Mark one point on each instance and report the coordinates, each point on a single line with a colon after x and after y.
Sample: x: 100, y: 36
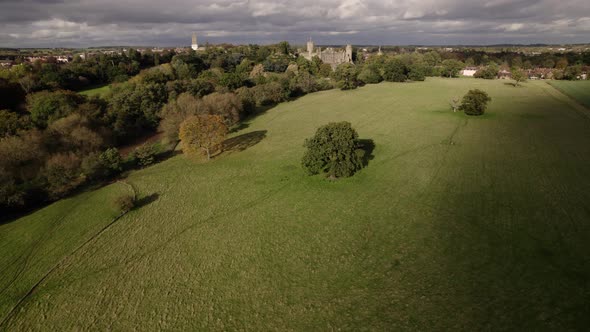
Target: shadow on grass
x: 367, y: 145
x: 146, y: 200
x: 239, y: 127
x: 243, y: 142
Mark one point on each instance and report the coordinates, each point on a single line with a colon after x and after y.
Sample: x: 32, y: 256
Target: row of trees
x: 64, y: 139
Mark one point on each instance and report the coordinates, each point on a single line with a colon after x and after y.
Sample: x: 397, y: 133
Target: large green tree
x: 452, y: 67
x: 475, y: 102
x: 334, y: 150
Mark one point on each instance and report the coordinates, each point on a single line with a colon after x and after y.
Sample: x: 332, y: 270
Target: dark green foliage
x: 134, y: 108
x: 346, y: 76
x: 370, y: 74
x: 334, y: 150
x: 145, y: 155
x: 417, y: 72
x: 489, y: 72
x: 452, y: 67
x: 125, y: 203
x: 46, y: 107
x: 11, y: 123
x: 62, y: 174
x: 111, y: 161
x: 475, y: 102
x: 394, y: 70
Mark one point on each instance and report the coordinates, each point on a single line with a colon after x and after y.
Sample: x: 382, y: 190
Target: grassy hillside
x: 579, y: 90
x: 96, y: 91
x: 456, y: 224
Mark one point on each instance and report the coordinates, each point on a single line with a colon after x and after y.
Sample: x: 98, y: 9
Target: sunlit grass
x: 458, y: 223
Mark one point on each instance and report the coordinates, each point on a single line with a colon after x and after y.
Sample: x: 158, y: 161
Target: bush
x: 111, y: 161
x: 370, y: 74
x: 145, y: 154
x: 333, y: 150
x: 475, y: 102
x: 63, y: 173
x: 125, y: 203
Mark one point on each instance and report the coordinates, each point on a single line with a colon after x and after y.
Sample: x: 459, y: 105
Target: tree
x: 561, y: 63
x: 111, y: 161
x: 175, y: 112
x: 334, y: 150
x: 370, y: 74
x: 518, y: 75
x: 489, y: 73
x: 417, y: 72
x: 46, y: 107
x: 134, y: 108
x: 452, y: 67
x: 475, y: 102
x: 10, y: 123
x: 62, y: 173
x: 346, y: 76
x: 455, y: 104
x: 394, y: 70
x: 227, y: 105
x: 203, y: 133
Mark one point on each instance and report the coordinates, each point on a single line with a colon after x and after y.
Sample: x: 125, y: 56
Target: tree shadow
x: 146, y: 200
x: 367, y: 145
x: 239, y: 127
x: 243, y: 142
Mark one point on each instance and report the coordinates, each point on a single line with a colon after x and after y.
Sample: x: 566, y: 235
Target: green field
x: 96, y: 91
x: 457, y: 223
x: 579, y: 90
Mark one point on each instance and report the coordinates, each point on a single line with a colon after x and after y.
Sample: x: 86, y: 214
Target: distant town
x: 331, y: 54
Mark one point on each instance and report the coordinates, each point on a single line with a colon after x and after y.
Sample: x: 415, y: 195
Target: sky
x: 166, y: 23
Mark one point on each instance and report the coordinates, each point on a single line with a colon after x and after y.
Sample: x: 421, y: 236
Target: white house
x: 469, y: 71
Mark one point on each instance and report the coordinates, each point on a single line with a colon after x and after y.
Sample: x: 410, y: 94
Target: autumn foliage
x: 203, y: 134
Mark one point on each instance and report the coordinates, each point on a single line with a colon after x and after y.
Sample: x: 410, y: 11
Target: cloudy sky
x: 70, y: 23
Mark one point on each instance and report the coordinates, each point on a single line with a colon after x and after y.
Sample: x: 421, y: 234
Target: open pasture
x: 457, y: 223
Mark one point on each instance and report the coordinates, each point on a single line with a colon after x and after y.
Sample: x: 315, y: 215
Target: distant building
x: 330, y: 55
x: 469, y: 71
x: 6, y: 63
x: 194, y: 44
x: 504, y: 74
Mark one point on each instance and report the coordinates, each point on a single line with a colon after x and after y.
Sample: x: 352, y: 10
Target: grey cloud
x: 169, y: 23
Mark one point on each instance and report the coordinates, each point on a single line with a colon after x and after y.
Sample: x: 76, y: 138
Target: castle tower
x: 349, y: 53
x: 195, y: 45
x: 310, y: 46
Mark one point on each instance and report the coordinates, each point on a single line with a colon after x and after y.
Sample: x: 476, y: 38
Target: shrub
x: 370, y: 74
x: 145, y: 154
x: 475, y: 102
x: 333, y: 150
x: 63, y: 174
x: 125, y: 203
x: 111, y: 161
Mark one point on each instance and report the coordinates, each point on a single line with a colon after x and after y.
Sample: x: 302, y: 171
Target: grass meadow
x: 579, y: 90
x: 99, y: 90
x: 458, y: 223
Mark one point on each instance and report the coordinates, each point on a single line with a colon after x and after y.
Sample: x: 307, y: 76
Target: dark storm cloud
x: 168, y: 23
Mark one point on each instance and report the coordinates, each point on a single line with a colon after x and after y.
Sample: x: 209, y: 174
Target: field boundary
x: 574, y: 103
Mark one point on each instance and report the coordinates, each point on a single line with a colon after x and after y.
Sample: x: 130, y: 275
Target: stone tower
x: 349, y: 53
x: 195, y: 45
x: 310, y: 46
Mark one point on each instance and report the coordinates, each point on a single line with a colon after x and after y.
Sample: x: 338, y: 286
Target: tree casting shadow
x: 243, y: 142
